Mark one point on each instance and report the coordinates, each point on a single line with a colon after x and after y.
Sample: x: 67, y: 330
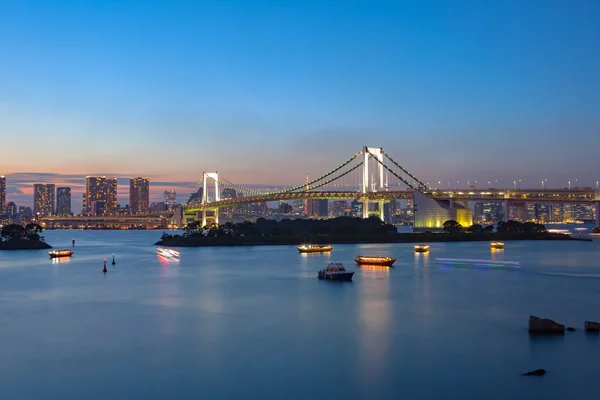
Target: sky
x: 265, y: 92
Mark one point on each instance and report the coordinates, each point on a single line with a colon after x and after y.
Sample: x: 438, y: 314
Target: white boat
x: 168, y: 253
x: 335, y: 272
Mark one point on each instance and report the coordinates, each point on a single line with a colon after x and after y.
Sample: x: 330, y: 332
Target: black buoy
x: 114, y: 262
x: 73, y: 242
x: 104, y: 270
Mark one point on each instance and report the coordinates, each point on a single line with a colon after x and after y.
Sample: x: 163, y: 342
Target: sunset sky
x: 267, y: 91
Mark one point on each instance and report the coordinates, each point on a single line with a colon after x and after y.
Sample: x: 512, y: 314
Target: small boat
x: 168, y: 253
x: 335, y: 272
x: 497, y: 245
x: 314, y: 248
x: 421, y: 248
x: 374, y: 260
x: 60, y: 253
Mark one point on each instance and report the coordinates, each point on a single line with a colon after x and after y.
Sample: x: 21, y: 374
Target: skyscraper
x: 139, y: 195
x: 100, y: 196
x: 43, y: 199
x: 63, y: 201
x: 2, y: 195
x: 170, y: 199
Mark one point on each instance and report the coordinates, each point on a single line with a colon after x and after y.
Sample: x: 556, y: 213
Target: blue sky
x: 266, y: 91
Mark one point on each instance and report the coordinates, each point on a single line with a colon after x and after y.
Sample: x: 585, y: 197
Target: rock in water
x: 544, y: 326
x: 591, y: 326
x: 570, y: 329
x: 537, y: 372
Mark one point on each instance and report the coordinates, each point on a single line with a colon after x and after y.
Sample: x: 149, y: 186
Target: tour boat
x: 168, y: 253
x: 497, y: 245
x: 422, y: 248
x: 314, y: 248
x: 335, y: 272
x: 60, y: 253
x: 375, y: 260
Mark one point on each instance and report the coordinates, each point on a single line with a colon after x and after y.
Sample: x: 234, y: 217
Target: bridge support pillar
x: 381, y: 210
x: 365, y: 210
x: 506, y: 210
x: 597, y: 213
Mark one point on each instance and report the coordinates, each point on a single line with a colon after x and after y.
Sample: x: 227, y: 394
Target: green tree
x: 451, y: 226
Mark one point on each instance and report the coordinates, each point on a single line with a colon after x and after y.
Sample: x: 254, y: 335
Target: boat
x: 421, y: 248
x: 60, y: 253
x: 375, y: 260
x: 497, y: 245
x: 168, y: 253
x: 335, y: 272
x: 314, y: 248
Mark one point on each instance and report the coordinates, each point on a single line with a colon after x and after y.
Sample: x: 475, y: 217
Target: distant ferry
x: 168, y: 253
x: 60, y: 253
x: 374, y: 260
x: 314, y: 248
x: 422, y: 248
x: 497, y: 245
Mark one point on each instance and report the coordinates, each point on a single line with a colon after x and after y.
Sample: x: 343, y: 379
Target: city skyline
x: 466, y: 91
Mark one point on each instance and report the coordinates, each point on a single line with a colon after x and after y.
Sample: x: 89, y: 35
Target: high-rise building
x: 2, y: 194
x: 229, y: 193
x: 11, y: 209
x: 100, y: 196
x: 139, y: 195
x: 170, y: 199
x: 63, y: 201
x: 316, y: 208
x: 43, y: 199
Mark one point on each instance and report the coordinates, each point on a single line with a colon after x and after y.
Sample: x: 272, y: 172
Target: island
x: 19, y: 237
x: 346, y: 230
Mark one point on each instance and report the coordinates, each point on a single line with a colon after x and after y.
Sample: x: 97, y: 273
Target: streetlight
x: 596, y: 185
x: 569, y: 185
x: 515, y: 184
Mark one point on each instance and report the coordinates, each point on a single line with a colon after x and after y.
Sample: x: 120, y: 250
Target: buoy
x: 104, y: 270
x: 113, y: 262
x: 73, y: 242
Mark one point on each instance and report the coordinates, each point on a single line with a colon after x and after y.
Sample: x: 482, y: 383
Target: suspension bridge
x: 370, y: 176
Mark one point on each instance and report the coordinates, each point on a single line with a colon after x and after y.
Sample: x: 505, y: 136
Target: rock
x: 571, y: 329
x: 591, y: 326
x: 544, y: 326
x: 537, y: 372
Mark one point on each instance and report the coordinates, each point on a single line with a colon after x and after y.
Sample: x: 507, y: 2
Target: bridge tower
x: 376, y: 152
x: 205, y: 199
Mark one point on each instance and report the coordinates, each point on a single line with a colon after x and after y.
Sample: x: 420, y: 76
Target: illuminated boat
x: 497, y: 245
x: 168, y: 253
x: 374, y: 260
x: 60, y: 253
x: 478, y: 263
x: 335, y: 272
x: 421, y: 248
x: 314, y: 248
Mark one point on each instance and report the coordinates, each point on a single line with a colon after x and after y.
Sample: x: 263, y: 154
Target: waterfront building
x: 2, y: 195
x: 63, y: 201
x: 542, y: 212
x: 493, y: 211
x: 584, y: 212
x: 478, y: 212
x: 43, y: 199
x: 139, y: 195
x: 196, y: 196
x: 430, y: 214
x: 357, y: 208
x: 157, y: 207
x: 100, y: 189
x: 170, y: 199
x: 25, y: 211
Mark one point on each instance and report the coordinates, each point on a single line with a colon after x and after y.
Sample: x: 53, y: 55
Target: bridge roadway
x: 513, y: 195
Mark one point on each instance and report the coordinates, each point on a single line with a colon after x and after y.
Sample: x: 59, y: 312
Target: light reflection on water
x: 259, y: 315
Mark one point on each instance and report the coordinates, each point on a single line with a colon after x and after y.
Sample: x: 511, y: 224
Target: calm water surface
x: 255, y: 322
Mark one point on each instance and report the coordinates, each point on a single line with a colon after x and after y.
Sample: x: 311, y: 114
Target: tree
x: 13, y: 232
x: 475, y: 228
x: 451, y: 226
x: 489, y: 229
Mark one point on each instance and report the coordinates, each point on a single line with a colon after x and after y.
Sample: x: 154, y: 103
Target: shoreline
x: 24, y: 245
x: 181, y: 241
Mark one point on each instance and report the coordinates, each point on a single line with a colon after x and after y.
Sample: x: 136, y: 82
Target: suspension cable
x: 406, y: 172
